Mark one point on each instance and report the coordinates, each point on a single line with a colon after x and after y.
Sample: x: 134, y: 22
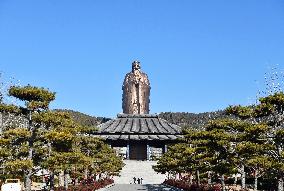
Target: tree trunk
x: 235, y: 180
x: 243, y: 176
x: 61, y: 179
x: 280, y: 179
x: 51, y: 180
x: 190, y: 179
x: 209, y: 177
x: 280, y: 184
x: 223, y: 182
x: 198, y: 177
x: 86, y: 173
x: 51, y: 172
x: 65, y: 180
x: 28, y: 181
x: 255, y: 180
x: 1, y: 123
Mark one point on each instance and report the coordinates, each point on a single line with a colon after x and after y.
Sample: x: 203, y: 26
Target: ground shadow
x: 141, y: 187
x: 157, y: 187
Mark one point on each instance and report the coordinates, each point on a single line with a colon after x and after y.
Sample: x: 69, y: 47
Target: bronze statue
x: 136, y: 91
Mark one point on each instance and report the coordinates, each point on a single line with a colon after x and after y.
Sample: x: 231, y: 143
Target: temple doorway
x: 137, y: 151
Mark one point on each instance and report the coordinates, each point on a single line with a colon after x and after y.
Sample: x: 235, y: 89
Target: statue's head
x: 136, y: 65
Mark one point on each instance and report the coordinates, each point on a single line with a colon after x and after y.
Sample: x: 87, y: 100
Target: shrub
x: 88, y: 185
x: 192, y: 187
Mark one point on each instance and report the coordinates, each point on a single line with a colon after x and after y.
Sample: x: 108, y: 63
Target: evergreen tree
x: 219, y: 146
x: 22, y: 145
x: 104, y: 161
x: 264, y: 136
x: 271, y: 110
x: 61, y: 137
x: 202, y: 157
x: 178, y: 159
x: 73, y: 150
x: 253, y: 150
x: 51, y: 140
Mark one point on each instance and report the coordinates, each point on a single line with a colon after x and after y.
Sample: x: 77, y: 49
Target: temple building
x: 136, y: 134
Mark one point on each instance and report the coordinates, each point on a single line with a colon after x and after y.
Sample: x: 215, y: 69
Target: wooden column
x: 127, y: 151
x: 166, y: 148
x: 148, y: 152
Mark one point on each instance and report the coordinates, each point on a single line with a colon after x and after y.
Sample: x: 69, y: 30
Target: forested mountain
x: 183, y: 119
x: 84, y: 119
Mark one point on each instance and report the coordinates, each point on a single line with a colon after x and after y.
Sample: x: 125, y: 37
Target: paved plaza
x: 139, y: 169
x: 140, y: 187
x: 152, y: 181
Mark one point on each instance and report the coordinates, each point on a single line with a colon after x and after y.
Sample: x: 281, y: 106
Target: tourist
x: 138, y: 180
x: 134, y: 180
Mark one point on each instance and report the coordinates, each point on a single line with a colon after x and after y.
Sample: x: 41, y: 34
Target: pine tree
x: 22, y: 142
x: 202, y: 157
x: 178, y: 159
x: 103, y: 159
x: 50, y: 140
x: 73, y: 150
x: 264, y: 137
x: 271, y: 109
x: 60, y: 135
x: 219, y: 145
x: 253, y: 149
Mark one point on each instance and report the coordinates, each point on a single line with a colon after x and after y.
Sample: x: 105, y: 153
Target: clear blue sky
x: 200, y: 55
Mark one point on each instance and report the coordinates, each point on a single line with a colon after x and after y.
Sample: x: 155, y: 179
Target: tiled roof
x: 139, y: 137
x: 139, y: 127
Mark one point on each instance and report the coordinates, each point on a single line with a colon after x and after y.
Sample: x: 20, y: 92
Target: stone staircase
x: 139, y: 169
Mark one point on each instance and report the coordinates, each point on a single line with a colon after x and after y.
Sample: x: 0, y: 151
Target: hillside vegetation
x: 84, y: 119
x: 183, y: 119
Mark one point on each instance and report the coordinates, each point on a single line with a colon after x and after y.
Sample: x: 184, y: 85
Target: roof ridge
x: 123, y: 115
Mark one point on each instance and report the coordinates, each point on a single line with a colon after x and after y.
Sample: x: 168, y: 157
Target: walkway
x: 139, y: 187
